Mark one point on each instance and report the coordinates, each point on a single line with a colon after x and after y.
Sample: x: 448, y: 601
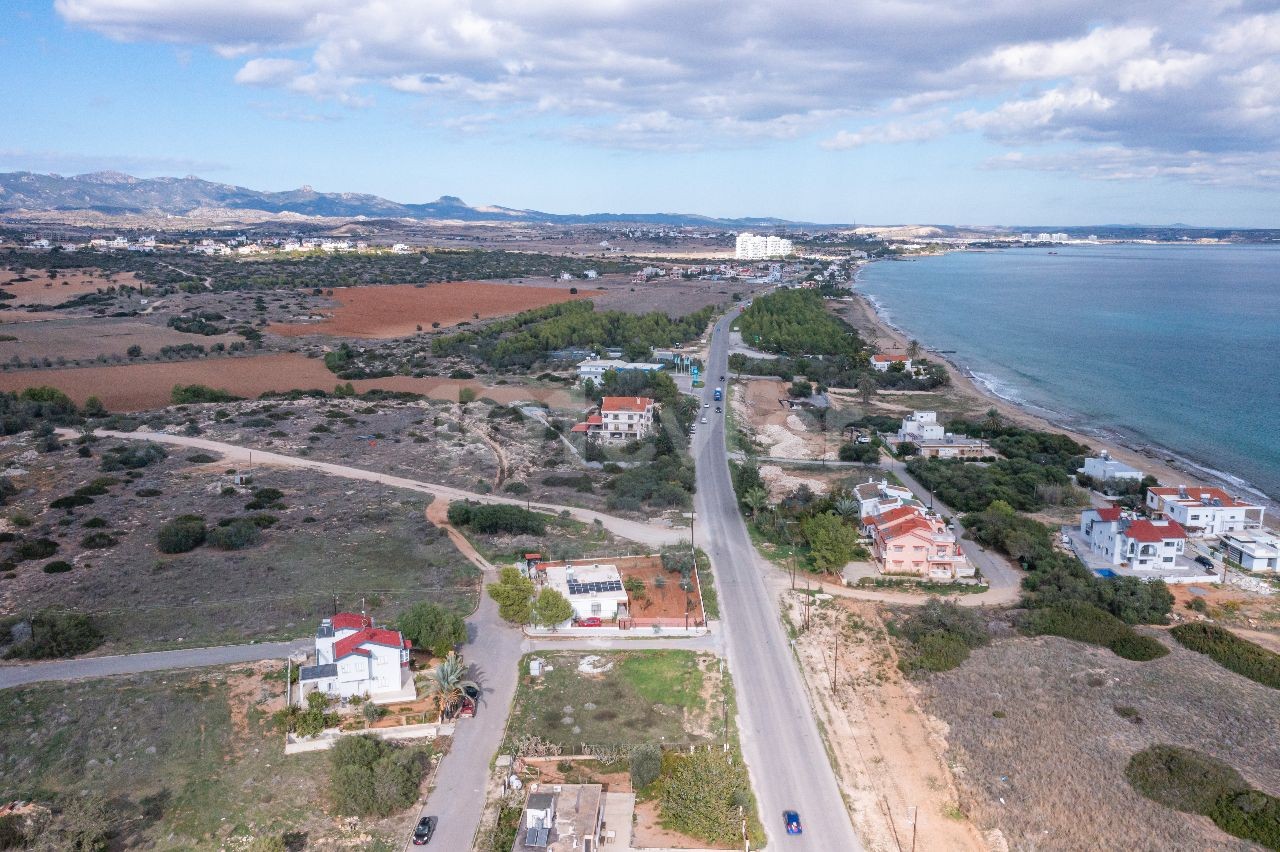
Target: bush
x: 1086, y: 623
x: 1230, y: 651
x: 240, y: 533
x: 1249, y: 814
x: 373, y: 777
x: 515, y: 486
x: 97, y: 540
x: 132, y: 456
x: 432, y: 628
x: 497, y: 519
x: 58, y: 566
x: 188, y: 394
x: 700, y: 796
x: 646, y: 765
x: 182, y: 534
x: 34, y: 548
x: 935, y: 652
x: 70, y: 501
x: 201, y: 458
x: 57, y: 634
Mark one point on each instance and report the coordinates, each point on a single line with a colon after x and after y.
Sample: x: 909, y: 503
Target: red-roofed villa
x: 355, y: 658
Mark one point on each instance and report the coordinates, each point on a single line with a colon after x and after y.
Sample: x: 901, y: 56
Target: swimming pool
x: 1104, y: 573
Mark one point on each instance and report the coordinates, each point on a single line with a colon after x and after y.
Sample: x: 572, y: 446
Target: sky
x: 966, y: 112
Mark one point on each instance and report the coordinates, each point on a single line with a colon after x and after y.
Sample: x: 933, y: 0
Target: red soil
x: 401, y: 310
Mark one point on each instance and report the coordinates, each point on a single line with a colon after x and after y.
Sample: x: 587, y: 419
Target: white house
x: 1106, y: 469
x: 621, y: 419
x: 1135, y: 543
x: 933, y: 441
x: 594, y: 591
x: 882, y: 361
x: 876, y: 498
x: 355, y: 658
x: 595, y: 369
x: 1253, y: 551
x: 1204, y: 511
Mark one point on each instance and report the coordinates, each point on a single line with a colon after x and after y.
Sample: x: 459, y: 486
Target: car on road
x: 589, y: 621
x: 792, y: 819
x: 706, y: 405
x: 704, y: 420
x: 719, y: 410
x: 423, y: 831
x: 1204, y: 560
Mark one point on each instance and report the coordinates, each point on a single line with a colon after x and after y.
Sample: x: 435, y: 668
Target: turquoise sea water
x: 1173, y: 346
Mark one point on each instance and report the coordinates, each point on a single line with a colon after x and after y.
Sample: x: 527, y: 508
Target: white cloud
x: 1150, y: 75
x: 266, y: 71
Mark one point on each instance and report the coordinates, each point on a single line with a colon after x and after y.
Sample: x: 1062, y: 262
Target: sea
x: 1174, y: 348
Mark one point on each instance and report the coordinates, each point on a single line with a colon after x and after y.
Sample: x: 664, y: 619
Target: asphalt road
x: 153, y: 661
x: 784, y: 751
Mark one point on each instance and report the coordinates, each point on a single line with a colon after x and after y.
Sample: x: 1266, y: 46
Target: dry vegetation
x: 1041, y: 731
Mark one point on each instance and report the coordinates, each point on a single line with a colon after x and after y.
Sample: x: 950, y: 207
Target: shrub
x: 1086, y: 623
x: 70, y: 501
x: 1230, y: 651
x: 95, y: 523
x: 1249, y: 814
x: 497, y: 519
x: 187, y: 394
x: 94, y: 541
x: 240, y: 533
x: 132, y: 456
x: 97, y: 487
x: 58, y: 566
x: 432, y: 628
x: 35, y: 548
x: 201, y: 458
x: 700, y: 796
x: 373, y: 777
x: 1181, y: 778
x: 935, y: 652
x: 182, y: 534
x: 646, y: 765
x: 57, y: 634
x: 516, y: 487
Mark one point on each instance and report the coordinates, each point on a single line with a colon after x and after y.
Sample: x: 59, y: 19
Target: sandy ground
x: 648, y: 833
x: 863, y: 316
x: 43, y: 290
x: 887, y: 753
x: 139, y: 387
x: 402, y: 310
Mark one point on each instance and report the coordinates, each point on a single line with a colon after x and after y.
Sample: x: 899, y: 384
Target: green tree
x: 433, y: 628
x: 93, y: 407
x: 646, y: 765
x: 551, y: 608
x: 514, y: 594
x: 913, y: 349
x: 466, y: 396
x: 832, y: 542
x: 866, y: 388
x: 755, y: 500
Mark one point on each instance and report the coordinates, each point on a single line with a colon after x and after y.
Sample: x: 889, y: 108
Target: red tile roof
x: 636, y: 404
x: 350, y: 621
x: 369, y: 636
x: 1111, y: 513
x: 891, y: 517
x: 1146, y: 531
x: 884, y: 359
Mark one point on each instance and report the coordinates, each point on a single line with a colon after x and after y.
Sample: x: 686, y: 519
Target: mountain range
x: 115, y: 193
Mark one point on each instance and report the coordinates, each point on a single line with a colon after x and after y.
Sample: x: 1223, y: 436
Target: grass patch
x: 670, y: 677
x: 1230, y: 651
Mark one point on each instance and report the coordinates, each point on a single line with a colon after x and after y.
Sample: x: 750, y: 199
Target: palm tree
x: 845, y: 506
x: 755, y: 499
x: 993, y: 419
x: 913, y: 349
x: 447, y: 684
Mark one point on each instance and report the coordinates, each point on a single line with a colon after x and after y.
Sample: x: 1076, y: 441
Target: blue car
x: 792, y: 820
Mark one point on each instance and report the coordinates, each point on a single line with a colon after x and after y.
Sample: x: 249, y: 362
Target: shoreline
x: 1165, y: 464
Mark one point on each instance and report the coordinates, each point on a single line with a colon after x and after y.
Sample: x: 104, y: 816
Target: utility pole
x: 835, y: 659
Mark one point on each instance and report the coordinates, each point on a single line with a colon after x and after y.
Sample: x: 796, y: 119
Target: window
x: 595, y: 608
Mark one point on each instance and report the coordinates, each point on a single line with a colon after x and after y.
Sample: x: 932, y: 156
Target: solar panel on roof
x: 577, y: 588
x: 537, y: 837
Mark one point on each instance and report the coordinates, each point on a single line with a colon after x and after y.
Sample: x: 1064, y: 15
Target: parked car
x: 1204, y: 560
x: 425, y: 828
x: 704, y: 420
x: 470, y: 702
x: 589, y: 621
x: 792, y: 820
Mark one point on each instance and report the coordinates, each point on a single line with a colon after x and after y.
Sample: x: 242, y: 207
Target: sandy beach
x: 864, y: 316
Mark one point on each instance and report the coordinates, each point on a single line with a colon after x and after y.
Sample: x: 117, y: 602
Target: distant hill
x: 116, y: 193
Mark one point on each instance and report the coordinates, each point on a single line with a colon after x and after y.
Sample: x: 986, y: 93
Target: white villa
x: 934, y: 441
x: 621, y: 419
x: 595, y: 369
x: 882, y: 362
x: 876, y: 498
x: 1135, y: 543
x: 355, y: 658
x: 1204, y: 511
x: 1253, y: 551
x: 1106, y: 469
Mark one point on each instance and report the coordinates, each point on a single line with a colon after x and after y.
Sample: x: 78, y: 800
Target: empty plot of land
x: 402, y: 310
x: 76, y: 339
x: 1041, y: 731
x: 40, y: 289
x: 139, y: 387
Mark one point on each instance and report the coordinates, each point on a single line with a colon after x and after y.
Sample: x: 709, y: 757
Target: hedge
x: 1086, y: 623
x: 1230, y: 651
